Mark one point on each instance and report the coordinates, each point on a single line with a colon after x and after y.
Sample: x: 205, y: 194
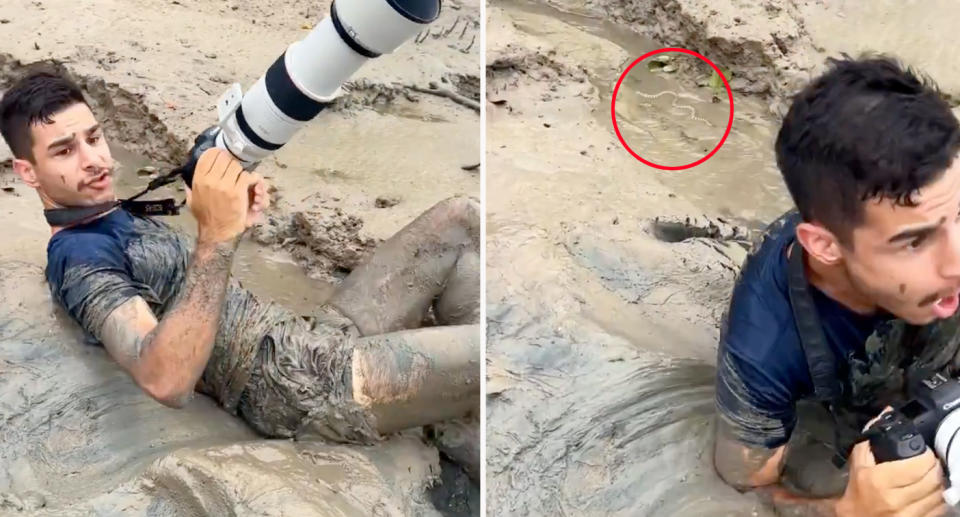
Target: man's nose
x: 92, y: 157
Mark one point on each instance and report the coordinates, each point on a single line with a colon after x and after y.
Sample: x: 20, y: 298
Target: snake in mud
x: 748, y: 142
x: 693, y: 112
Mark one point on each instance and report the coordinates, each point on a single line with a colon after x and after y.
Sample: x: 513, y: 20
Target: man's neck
x: 834, y: 281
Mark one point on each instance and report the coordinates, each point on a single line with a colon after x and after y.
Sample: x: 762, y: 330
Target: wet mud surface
x: 76, y: 435
x: 607, y: 280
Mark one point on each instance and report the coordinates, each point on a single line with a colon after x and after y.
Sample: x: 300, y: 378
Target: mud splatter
x: 326, y: 241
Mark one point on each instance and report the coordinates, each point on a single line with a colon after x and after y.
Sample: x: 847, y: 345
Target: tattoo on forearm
x: 206, y: 279
x: 188, y: 330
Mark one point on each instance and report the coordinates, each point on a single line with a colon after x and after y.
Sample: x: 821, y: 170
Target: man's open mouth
x: 99, y: 181
x: 946, y: 306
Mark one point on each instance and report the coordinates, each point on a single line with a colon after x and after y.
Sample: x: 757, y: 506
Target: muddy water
x: 602, y: 339
x: 739, y: 181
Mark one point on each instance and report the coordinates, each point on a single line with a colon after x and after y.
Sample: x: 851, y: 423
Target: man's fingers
x: 922, y: 471
x: 231, y: 171
x: 247, y: 180
x: 862, y: 455
x: 870, y: 423
x: 219, y: 159
x: 931, y: 483
x: 929, y: 505
x: 941, y: 510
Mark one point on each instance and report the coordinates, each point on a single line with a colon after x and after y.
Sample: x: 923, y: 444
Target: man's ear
x: 27, y: 173
x: 819, y: 242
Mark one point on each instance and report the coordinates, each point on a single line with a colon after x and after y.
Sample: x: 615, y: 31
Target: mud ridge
x: 326, y: 242
x: 363, y: 94
x: 534, y: 65
x: 771, y: 59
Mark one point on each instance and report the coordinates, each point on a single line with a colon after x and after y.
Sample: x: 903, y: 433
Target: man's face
x: 72, y: 163
x: 907, y: 259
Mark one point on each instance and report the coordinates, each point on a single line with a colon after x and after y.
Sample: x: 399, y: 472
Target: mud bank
x: 773, y: 46
x: 78, y: 437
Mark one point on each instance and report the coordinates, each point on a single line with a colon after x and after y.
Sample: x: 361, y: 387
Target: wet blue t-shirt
x: 94, y: 268
x: 89, y: 271
x: 761, y: 367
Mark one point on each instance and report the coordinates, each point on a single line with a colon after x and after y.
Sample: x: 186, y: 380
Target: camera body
x: 929, y: 419
x: 897, y: 434
x: 932, y: 399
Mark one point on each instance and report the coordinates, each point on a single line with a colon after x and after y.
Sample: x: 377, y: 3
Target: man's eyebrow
x: 93, y: 128
x: 913, y: 233
x: 62, y: 141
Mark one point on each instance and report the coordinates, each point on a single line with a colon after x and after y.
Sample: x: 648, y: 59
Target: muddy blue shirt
x: 761, y: 367
x: 93, y: 268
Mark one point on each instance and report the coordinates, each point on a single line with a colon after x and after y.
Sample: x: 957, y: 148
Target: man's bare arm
x: 758, y: 469
x: 166, y: 359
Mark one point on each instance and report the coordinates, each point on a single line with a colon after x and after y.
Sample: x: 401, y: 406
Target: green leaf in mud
x: 716, y: 82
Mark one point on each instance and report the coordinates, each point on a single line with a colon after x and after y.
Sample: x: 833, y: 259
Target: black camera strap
x: 820, y: 357
x: 69, y: 216
x: 821, y: 360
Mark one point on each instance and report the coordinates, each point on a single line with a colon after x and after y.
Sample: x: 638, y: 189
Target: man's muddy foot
x: 459, y: 440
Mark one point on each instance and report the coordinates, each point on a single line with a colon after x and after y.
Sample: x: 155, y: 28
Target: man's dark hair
x: 866, y: 129
x: 31, y: 100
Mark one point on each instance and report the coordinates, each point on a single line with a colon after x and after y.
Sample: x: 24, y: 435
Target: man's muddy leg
x: 459, y: 303
x: 417, y: 377
x: 418, y: 265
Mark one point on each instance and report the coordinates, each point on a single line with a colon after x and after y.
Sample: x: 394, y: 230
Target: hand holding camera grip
x: 894, y: 437
x: 203, y: 141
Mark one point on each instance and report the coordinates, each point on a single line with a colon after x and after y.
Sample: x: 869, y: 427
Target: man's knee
x: 462, y: 211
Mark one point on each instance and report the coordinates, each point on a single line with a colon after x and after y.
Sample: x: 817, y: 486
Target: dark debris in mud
x: 681, y: 228
x: 455, y: 495
x: 363, y: 94
x: 366, y: 94
x: 386, y: 201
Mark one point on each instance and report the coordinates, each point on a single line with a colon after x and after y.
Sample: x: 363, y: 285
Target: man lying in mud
x: 165, y: 308
x: 867, y: 151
